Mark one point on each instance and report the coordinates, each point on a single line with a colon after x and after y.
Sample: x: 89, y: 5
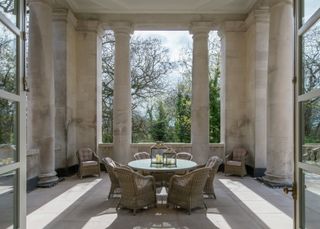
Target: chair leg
x: 214, y: 195
x: 134, y: 211
x: 205, y: 205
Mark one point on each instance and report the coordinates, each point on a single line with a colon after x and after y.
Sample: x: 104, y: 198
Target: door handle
x: 292, y: 189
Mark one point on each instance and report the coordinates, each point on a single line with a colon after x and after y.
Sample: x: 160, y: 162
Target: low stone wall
x: 105, y: 149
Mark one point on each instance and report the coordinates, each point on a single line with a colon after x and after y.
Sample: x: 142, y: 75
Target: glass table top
x: 145, y: 164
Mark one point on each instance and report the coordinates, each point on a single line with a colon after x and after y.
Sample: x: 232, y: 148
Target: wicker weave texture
x: 184, y: 155
x: 213, y: 163
x: 88, y: 155
x: 238, y: 154
x: 110, y: 165
x: 186, y: 191
x: 137, y: 191
x: 141, y: 155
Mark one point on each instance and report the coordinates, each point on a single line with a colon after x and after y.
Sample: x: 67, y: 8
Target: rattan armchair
x: 141, y: 155
x: 88, y: 162
x: 110, y: 165
x: 235, y: 163
x: 186, y: 191
x: 137, y: 191
x: 213, y: 163
x: 184, y: 155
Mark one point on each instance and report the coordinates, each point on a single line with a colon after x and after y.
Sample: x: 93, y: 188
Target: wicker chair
x: 137, y: 191
x: 186, y: 191
x: 213, y: 163
x: 141, y: 155
x: 184, y: 155
x: 110, y: 166
x: 235, y: 162
x: 88, y: 162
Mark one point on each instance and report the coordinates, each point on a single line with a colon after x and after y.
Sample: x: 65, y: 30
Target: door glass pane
x: 9, y: 9
x: 7, y: 199
x: 8, y: 111
x: 8, y: 70
x: 308, y: 7
x: 311, y: 204
x: 311, y: 58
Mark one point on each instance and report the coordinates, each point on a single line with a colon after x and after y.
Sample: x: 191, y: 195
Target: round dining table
x: 145, y: 165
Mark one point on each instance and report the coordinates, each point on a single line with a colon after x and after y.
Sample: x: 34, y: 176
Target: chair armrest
x: 228, y: 157
x: 95, y: 157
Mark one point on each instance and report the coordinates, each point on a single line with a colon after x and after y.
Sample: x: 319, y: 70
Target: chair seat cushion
x: 89, y: 163
x: 235, y: 163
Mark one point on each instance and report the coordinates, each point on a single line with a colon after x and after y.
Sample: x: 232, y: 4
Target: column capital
x: 201, y: 27
x: 234, y: 26
x: 48, y: 2
x: 122, y: 27
x: 88, y: 26
x: 276, y: 3
x: 64, y: 15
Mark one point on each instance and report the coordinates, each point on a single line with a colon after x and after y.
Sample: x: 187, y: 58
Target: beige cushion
x: 235, y: 163
x: 88, y: 163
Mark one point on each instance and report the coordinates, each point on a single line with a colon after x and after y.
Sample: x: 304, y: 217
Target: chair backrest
x: 141, y: 155
x: 126, y: 179
x: 85, y: 154
x: 214, y: 162
x: 110, y: 166
x: 198, y: 180
x: 238, y: 153
x: 184, y: 155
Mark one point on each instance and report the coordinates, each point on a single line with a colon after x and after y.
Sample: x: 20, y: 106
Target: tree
x: 311, y: 80
x: 150, y: 65
x: 183, y: 113
x: 160, y: 125
x: 7, y: 83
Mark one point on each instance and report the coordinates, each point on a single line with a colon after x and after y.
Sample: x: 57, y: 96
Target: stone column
x: 41, y: 96
x: 280, y: 93
x: 64, y: 24
x: 200, y: 92
x: 88, y: 83
x: 235, y: 122
x: 122, y: 94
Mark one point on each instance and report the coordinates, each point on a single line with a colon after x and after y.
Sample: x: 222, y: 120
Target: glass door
x: 307, y: 147
x: 12, y: 116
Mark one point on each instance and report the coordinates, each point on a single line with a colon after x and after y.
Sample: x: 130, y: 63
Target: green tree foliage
x: 150, y: 65
x: 160, y: 113
x: 159, y: 128
x: 7, y: 83
x: 183, y: 114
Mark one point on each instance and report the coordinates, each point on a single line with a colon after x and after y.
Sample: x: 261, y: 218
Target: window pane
x: 312, y: 200
x: 7, y: 199
x: 8, y: 70
x: 308, y: 8
x: 311, y: 58
x: 9, y: 9
x: 8, y: 111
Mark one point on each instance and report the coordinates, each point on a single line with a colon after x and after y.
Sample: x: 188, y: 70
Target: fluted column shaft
x: 122, y: 94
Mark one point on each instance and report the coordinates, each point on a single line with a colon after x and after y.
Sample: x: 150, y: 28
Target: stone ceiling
x: 162, y: 6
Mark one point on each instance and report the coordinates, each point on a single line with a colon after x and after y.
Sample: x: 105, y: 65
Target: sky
x: 174, y: 41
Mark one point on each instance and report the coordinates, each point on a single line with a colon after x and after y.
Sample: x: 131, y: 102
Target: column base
x: 47, y: 180
x: 276, y: 181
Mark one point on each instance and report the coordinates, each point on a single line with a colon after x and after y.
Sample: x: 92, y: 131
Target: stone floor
x: 241, y: 203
